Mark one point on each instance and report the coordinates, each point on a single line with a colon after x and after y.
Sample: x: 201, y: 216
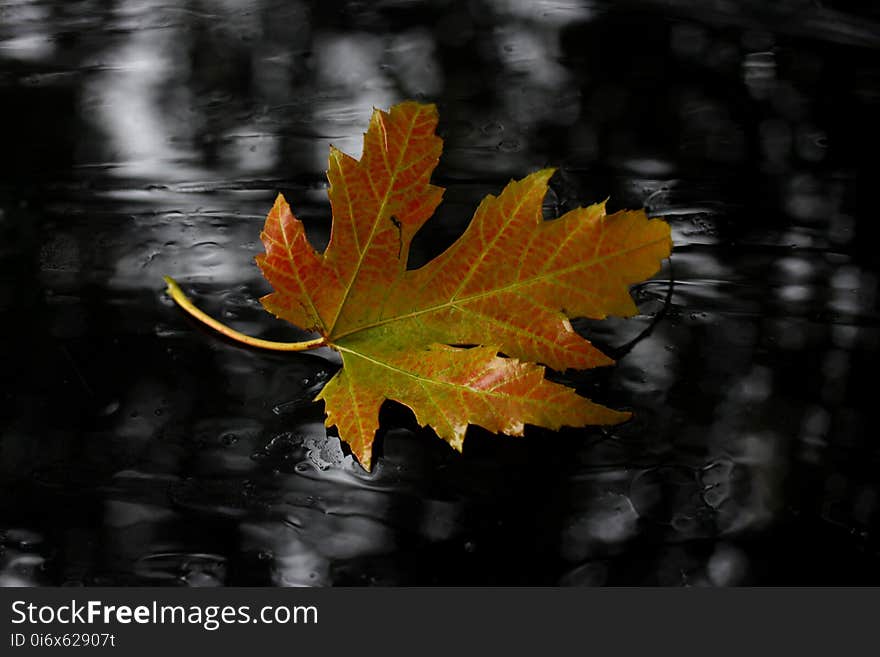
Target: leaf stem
x: 184, y: 302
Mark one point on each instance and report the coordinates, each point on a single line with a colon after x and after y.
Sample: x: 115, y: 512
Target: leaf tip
x: 457, y: 440
x: 541, y: 176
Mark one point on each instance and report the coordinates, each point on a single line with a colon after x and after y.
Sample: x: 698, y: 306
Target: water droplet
x: 715, y: 495
x: 492, y: 128
x: 110, y: 408
x: 20, y: 538
x: 683, y: 523
x: 509, y: 146
x: 162, y: 330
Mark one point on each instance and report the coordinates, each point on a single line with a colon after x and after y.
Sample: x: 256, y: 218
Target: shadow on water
x: 148, y: 138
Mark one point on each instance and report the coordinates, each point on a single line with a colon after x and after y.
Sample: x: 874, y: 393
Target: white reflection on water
x: 28, y: 39
x: 28, y: 46
x: 413, y: 60
x: 125, y: 100
x: 349, y: 67
x: 552, y: 12
x: 250, y: 149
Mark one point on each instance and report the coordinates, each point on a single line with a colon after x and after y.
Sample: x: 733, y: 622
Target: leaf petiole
x: 184, y: 302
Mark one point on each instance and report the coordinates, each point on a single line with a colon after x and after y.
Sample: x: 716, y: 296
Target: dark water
x: 150, y: 138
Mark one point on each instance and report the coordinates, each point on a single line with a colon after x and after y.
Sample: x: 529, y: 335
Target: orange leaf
x: 508, y: 286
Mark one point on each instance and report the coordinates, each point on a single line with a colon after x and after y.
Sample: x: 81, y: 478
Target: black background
x: 143, y: 138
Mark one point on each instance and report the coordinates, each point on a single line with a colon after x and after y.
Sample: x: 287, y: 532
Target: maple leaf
x: 507, y: 286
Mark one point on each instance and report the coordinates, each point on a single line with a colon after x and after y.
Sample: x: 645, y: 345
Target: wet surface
x: 150, y: 138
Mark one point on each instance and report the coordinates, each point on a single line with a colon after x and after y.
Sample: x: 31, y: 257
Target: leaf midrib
x: 379, y: 214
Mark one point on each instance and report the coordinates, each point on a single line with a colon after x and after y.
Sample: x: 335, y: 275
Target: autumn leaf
x: 507, y: 288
